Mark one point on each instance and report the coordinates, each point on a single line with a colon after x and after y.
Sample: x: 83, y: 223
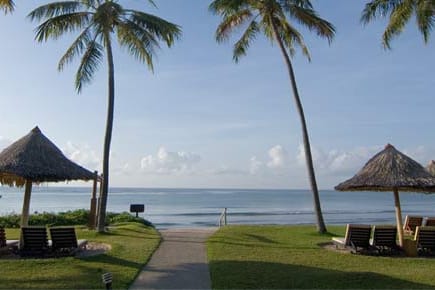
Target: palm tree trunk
x: 321, y: 228
x: 108, y: 136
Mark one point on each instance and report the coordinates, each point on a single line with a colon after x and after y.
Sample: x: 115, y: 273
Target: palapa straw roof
x: 34, y: 157
x: 390, y: 170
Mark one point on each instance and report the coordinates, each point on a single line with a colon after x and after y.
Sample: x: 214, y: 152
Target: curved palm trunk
x: 308, y: 158
x: 108, y: 137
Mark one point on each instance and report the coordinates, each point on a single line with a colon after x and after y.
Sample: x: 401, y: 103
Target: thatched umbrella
x: 391, y: 170
x: 34, y: 158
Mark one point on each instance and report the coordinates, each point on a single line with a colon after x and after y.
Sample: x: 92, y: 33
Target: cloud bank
x: 167, y: 162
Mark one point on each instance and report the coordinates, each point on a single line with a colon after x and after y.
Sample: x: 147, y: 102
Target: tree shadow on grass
x: 107, y: 259
x: 264, y: 275
x: 261, y: 239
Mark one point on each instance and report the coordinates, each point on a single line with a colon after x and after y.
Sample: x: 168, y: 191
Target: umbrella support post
x: 26, y: 204
x: 398, y: 216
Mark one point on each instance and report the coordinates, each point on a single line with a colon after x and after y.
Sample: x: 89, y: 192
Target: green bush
x: 115, y: 218
x: 69, y: 218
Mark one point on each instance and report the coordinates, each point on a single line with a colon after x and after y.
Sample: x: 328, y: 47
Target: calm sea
x: 202, y: 207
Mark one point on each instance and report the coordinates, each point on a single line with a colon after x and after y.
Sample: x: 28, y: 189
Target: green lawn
x: 282, y: 257
x: 132, y: 245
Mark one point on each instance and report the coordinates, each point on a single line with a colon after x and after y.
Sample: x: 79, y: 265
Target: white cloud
x: 166, y: 162
x: 83, y: 155
x: 336, y: 161
x: 278, y: 157
x: 255, y: 165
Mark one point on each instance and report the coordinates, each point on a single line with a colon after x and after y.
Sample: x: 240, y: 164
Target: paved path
x: 180, y: 262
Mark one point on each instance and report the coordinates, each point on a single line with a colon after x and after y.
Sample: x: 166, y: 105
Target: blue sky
x: 202, y: 121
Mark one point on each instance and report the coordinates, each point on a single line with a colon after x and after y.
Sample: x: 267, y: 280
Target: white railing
x: 223, y: 218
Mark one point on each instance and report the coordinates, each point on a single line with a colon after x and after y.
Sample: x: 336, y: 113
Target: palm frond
x: 89, y: 64
x: 242, y: 45
x: 139, y: 42
x: 378, y: 8
x: 160, y: 28
x: 291, y: 37
x: 77, y: 47
x: 227, y: 7
x: 310, y: 19
x: 398, y: 19
x: 231, y: 22
x: 7, y: 5
x: 425, y: 12
x: 288, y: 4
x: 56, y: 26
x: 55, y: 9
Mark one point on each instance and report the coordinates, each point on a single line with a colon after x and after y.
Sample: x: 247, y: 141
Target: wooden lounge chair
x: 6, y: 245
x: 34, y: 242
x: 430, y: 222
x: 357, y: 236
x: 384, y: 239
x: 425, y: 240
x: 64, y: 241
x: 411, y: 222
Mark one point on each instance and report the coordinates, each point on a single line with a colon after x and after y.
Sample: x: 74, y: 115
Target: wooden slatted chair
x: 2, y: 238
x: 34, y: 242
x: 6, y: 245
x: 357, y: 238
x: 430, y: 222
x: 425, y: 240
x: 384, y: 239
x: 411, y: 222
x: 64, y: 241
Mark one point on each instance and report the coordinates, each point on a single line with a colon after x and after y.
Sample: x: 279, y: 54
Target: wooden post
x: 97, y: 217
x: 93, y: 209
x: 26, y: 204
x: 26, y: 207
x: 398, y: 216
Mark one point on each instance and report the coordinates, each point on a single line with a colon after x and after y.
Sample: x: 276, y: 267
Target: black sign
x: 137, y: 208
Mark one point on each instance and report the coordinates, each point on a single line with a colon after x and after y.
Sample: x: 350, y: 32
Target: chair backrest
x: 411, y: 222
x: 34, y: 239
x: 430, y: 222
x: 425, y: 237
x: 2, y: 237
x: 384, y: 236
x: 63, y: 238
x: 358, y: 235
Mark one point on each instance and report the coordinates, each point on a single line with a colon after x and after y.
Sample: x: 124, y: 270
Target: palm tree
x: 276, y: 19
x: 7, y: 5
x: 400, y: 12
x: 98, y: 21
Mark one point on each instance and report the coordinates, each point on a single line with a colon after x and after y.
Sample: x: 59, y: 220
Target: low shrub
x: 69, y: 218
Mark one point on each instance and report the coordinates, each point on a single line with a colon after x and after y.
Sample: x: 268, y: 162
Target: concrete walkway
x: 180, y: 262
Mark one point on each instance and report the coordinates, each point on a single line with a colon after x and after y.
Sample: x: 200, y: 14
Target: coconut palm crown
x: 277, y: 20
x: 97, y: 23
x: 7, y: 5
x: 400, y: 13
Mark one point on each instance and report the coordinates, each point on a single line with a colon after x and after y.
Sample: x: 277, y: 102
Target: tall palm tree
x: 98, y: 22
x: 276, y: 20
x: 7, y: 5
x: 400, y: 13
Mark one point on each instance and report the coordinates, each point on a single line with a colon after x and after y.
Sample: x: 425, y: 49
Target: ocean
x: 168, y: 208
